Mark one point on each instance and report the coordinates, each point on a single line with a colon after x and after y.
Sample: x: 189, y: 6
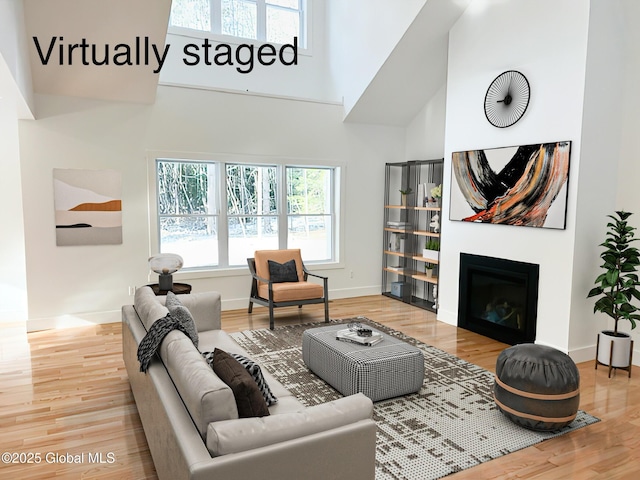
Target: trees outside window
x: 274, y: 21
x: 266, y: 207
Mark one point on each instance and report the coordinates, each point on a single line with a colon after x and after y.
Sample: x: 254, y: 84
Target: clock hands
x: 508, y: 98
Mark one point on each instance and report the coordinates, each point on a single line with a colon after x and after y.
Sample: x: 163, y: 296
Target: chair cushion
x: 291, y: 292
x: 262, y: 258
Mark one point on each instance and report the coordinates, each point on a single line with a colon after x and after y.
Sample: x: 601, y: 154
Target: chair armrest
x: 252, y: 271
x: 307, y: 272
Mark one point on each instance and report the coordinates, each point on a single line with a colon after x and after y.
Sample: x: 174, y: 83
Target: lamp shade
x: 165, y: 263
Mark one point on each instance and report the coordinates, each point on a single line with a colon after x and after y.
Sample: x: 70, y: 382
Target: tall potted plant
x: 615, y: 288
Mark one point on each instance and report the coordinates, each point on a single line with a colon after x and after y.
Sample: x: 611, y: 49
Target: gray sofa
x: 191, y: 421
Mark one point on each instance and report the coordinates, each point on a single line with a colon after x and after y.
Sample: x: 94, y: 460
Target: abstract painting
x: 525, y: 185
x: 88, y: 207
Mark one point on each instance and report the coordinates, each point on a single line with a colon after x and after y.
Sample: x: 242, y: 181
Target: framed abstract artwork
x: 524, y: 185
x: 88, y: 207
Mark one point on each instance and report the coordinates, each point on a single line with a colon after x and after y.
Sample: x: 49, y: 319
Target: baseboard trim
x: 588, y: 354
x: 75, y: 320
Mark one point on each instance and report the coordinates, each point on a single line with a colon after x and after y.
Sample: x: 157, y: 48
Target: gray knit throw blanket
x: 152, y: 340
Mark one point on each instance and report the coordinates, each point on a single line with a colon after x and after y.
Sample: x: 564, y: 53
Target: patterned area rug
x: 450, y: 425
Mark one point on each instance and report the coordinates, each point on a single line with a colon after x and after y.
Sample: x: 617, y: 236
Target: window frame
x: 304, y: 34
x: 337, y: 195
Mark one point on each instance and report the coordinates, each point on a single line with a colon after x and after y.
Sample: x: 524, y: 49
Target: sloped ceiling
x: 105, y: 24
x: 415, y: 70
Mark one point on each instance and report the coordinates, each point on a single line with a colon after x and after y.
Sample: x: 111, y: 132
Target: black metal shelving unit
x: 408, y: 225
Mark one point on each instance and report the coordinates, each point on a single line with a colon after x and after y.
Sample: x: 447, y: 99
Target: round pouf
x: 537, y: 386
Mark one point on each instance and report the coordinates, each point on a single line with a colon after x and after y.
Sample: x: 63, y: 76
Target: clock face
x: 507, y: 99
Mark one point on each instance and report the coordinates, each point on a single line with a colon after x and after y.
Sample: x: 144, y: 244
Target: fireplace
x: 498, y: 298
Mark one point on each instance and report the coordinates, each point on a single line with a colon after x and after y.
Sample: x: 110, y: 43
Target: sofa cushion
x: 183, y: 315
x: 254, y: 370
x: 248, y: 433
x: 249, y: 399
x: 206, y: 396
x: 282, y: 272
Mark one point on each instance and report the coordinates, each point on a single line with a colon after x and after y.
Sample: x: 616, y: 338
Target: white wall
x: 424, y: 136
x: 13, y: 278
x: 68, y: 284
x: 361, y: 35
x: 13, y: 52
x: 629, y: 165
x: 550, y: 49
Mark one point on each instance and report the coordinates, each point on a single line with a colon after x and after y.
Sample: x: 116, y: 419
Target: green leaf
x: 612, y: 277
x: 594, y: 291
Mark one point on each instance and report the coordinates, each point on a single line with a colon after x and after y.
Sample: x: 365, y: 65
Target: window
x: 273, y: 21
x: 266, y: 207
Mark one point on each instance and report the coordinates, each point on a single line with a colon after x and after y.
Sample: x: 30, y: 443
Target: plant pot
x: 403, y: 200
x: 430, y: 254
x: 428, y: 272
x: 621, y: 348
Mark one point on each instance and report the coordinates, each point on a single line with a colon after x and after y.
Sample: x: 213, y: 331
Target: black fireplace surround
x: 498, y: 298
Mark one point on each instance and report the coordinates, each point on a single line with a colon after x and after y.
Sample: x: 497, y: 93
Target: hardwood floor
x: 66, y: 406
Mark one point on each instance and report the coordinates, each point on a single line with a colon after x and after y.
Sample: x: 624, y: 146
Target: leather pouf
x: 537, y: 386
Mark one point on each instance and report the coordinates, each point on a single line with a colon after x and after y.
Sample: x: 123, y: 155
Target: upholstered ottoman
x: 537, y: 386
x: 387, y: 369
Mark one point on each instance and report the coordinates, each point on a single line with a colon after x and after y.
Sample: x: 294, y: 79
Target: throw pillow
x: 249, y: 400
x: 183, y: 315
x: 254, y: 370
x: 283, y: 272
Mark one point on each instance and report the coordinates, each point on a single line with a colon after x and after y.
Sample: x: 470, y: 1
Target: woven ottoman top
x: 387, y: 369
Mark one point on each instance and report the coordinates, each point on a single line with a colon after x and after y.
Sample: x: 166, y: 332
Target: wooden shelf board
x: 397, y: 254
x: 429, y: 209
x: 405, y: 273
x: 420, y: 258
x: 425, y: 233
x: 396, y: 230
x: 424, y: 278
x: 401, y: 207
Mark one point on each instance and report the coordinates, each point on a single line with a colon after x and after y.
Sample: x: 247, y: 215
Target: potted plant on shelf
x: 431, y: 249
x: 615, y: 287
x: 428, y: 269
x: 404, y: 194
x: 436, y: 193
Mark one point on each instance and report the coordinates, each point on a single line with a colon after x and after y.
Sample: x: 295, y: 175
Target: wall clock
x: 507, y: 99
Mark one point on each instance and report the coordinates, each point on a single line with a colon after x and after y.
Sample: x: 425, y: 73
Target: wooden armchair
x: 284, y: 284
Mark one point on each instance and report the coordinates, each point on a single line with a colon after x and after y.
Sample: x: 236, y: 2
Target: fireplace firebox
x: 498, y: 298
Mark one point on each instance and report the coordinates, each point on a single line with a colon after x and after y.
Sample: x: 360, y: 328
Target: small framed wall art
x: 88, y: 207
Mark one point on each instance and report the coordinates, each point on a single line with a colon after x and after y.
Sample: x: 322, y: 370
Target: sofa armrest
x: 238, y: 435
x: 205, y: 307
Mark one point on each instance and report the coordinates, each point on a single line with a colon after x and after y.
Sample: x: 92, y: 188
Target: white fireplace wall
x: 547, y: 41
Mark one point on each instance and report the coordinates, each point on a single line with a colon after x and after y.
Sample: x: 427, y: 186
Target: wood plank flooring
x: 66, y: 406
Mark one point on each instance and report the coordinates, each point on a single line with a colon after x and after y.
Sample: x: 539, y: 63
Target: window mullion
x: 283, y: 217
x: 216, y: 16
x: 261, y: 27
x: 223, y: 219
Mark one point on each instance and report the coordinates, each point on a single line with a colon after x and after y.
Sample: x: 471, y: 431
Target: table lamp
x: 164, y: 264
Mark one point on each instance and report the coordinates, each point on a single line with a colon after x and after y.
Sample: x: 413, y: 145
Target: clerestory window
x: 273, y: 21
x: 216, y: 214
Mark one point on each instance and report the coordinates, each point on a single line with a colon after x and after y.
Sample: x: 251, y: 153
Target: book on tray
x: 352, y: 336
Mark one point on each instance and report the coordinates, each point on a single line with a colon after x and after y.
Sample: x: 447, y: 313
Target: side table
x: 178, y: 289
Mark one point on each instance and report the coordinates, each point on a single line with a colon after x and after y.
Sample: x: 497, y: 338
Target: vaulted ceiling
x: 101, y: 25
x: 410, y: 76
